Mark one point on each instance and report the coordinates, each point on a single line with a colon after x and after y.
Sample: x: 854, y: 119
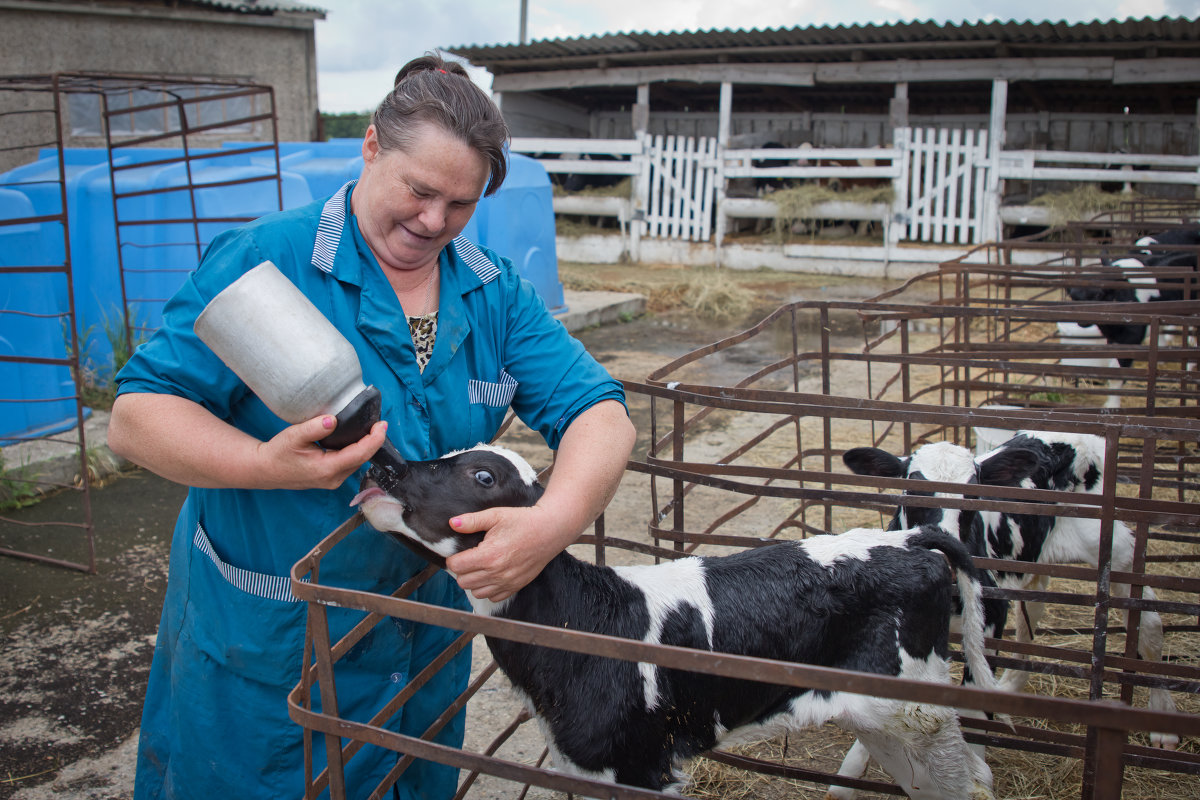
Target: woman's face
x: 411, y: 203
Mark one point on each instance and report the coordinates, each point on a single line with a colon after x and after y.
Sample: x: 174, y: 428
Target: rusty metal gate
x: 966, y: 353
x: 39, y: 343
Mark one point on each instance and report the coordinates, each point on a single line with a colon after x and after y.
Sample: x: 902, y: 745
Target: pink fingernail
x: 328, y: 423
x: 456, y: 522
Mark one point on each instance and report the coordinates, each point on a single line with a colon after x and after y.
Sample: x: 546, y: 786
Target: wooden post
x: 898, y: 109
x: 898, y: 224
x: 641, y: 110
x: 991, y: 206
x: 641, y: 181
x: 893, y: 227
x: 724, y: 125
x: 725, y: 114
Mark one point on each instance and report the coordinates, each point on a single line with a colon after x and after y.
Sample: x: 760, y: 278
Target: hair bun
x: 430, y: 62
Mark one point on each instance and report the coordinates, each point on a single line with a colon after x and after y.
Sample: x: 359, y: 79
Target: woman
x: 478, y: 339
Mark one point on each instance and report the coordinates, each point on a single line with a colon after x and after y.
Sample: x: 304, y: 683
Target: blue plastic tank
x: 517, y: 222
x: 158, y: 252
x: 36, y: 399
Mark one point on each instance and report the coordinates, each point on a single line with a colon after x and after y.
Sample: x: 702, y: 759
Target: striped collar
x: 333, y: 222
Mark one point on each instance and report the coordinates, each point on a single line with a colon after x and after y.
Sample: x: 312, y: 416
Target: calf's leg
x: 1079, y: 540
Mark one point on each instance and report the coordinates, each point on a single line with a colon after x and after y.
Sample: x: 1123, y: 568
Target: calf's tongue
x: 367, y: 494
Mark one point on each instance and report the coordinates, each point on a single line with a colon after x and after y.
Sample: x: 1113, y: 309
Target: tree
x: 344, y: 126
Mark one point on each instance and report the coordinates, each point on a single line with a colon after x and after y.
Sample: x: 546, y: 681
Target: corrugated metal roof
x: 263, y: 6
x: 918, y: 39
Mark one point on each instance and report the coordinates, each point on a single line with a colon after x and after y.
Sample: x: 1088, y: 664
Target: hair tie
x: 443, y: 71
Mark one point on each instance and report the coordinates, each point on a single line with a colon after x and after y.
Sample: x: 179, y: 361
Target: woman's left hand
x: 517, y: 544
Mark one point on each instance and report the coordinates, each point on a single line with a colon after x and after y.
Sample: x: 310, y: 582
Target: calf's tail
x: 970, y: 594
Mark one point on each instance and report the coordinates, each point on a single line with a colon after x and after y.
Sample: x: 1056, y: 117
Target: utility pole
x: 524, y: 21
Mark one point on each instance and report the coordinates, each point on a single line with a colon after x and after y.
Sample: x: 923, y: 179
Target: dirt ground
x: 77, y: 648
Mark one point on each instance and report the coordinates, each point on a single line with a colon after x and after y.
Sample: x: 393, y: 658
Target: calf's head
x: 419, y: 504
x: 943, y: 462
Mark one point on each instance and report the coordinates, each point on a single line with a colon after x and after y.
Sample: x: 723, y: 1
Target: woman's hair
x: 430, y: 89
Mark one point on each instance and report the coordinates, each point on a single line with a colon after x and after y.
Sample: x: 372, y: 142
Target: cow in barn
x: 868, y: 600
x: 757, y: 187
x: 760, y: 187
x: 573, y: 182
x: 1031, y: 459
x: 845, y: 185
x: 1150, y: 252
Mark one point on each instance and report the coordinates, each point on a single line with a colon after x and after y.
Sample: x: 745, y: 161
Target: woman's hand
x: 517, y: 544
x: 183, y: 442
x: 293, y: 459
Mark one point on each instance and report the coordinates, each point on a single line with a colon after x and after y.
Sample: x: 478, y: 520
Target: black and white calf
x: 867, y: 600
x: 1174, y: 248
x: 1150, y: 252
x: 1031, y: 459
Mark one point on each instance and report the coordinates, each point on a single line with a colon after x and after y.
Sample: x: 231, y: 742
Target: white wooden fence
x: 683, y: 176
x: 940, y: 193
x: 946, y: 181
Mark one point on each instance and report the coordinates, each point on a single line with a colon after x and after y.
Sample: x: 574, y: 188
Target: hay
x: 822, y: 749
x: 796, y: 203
x: 1017, y: 774
x: 1081, y: 203
x: 624, y: 188
x: 712, y: 294
x: 570, y: 225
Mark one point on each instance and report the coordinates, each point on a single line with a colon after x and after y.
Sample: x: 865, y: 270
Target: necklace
x: 430, y: 282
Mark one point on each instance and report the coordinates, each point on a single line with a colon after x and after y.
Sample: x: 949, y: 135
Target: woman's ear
x: 370, y: 145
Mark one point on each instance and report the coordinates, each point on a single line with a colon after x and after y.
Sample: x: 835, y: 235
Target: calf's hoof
x: 1164, y: 741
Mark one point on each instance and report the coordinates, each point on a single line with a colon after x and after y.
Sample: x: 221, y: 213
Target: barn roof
x: 822, y: 44
x: 263, y: 6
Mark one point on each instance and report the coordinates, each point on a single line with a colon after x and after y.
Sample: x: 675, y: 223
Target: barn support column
x: 898, y: 109
x: 724, y: 126
x: 640, y: 191
x: 641, y: 111
x: 725, y: 114
x: 990, y: 223
x: 898, y: 131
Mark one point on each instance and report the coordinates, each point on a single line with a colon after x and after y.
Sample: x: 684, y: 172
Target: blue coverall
x: 229, y: 646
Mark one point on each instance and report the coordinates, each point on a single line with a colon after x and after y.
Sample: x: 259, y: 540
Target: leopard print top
x: 424, y: 331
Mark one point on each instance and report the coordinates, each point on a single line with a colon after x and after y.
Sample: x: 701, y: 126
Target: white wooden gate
x: 941, y: 193
x: 682, y: 176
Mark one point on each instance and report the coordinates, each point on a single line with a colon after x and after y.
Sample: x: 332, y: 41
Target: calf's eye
x: 484, y: 478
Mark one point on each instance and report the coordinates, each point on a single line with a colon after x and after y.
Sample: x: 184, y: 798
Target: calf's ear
x: 1008, y: 467
x: 1087, y: 294
x: 873, y: 461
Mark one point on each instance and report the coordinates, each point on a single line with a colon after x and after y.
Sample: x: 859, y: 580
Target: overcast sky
x: 361, y: 43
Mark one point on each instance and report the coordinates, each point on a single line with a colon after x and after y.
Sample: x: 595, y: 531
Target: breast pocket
x: 489, y: 401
